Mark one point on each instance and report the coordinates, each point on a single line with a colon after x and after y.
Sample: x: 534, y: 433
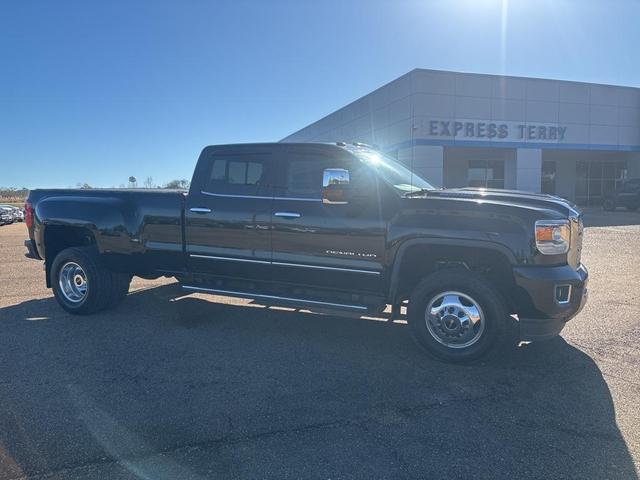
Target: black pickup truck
x: 325, y: 226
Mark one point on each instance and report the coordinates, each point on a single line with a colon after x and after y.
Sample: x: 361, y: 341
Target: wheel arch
x: 59, y: 237
x: 418, y: 258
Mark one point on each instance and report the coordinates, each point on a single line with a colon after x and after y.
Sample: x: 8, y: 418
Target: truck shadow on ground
x: 227, y: 391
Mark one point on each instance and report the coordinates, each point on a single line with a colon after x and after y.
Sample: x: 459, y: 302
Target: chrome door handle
x: 200, y: 210
x: 287, y: 214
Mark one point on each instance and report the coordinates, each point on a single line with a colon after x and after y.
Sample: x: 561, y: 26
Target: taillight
x: 28, y: 214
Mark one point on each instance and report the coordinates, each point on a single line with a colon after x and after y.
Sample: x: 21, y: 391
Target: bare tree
x: 148, y: 182
x: 181, y: 184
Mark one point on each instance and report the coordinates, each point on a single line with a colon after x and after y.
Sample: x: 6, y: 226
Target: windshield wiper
x: 421, y: 191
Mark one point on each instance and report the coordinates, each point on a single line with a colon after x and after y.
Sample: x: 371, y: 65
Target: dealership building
x: 572, y: 139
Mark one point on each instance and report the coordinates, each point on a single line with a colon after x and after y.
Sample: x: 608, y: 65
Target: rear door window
x: 241, y: 174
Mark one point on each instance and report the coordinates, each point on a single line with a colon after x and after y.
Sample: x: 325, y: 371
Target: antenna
x: 413, y: 147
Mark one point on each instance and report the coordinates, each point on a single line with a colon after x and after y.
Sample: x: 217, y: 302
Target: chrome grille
x: 575, y: 249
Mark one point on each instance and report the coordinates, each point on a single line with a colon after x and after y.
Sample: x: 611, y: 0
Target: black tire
x: 489, y: 299
x: 100, y: 285
x: 608, y: 205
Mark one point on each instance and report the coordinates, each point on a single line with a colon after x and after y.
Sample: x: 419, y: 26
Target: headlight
x: 553, y: 236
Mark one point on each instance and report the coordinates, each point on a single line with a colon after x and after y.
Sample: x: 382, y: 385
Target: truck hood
x: 511, y: 197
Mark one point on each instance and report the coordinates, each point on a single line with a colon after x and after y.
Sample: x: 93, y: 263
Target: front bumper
x: 544, y: 316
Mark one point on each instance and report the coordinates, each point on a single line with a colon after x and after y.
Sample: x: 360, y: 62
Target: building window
x: 596, y: 179
x: 548, y: 177
x: 486, y: 173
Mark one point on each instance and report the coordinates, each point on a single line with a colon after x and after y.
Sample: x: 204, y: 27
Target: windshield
x: 391, y: 171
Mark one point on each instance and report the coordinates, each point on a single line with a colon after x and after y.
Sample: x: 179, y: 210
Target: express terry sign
x: 494, y: 131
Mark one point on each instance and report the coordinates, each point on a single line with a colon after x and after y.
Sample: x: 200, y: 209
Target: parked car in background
x: 627, y: 196
x: 6, y: 216
x: 17, y: 213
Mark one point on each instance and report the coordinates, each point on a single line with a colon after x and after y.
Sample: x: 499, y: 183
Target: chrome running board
x: 302, y: 301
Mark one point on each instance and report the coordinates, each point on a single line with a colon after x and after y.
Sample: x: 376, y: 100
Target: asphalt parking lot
x: 169, y: 386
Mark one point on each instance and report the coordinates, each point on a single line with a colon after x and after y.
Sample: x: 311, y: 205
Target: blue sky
x: 95, y: 91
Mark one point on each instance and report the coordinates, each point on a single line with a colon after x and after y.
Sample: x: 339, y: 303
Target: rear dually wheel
x: 82, y: 285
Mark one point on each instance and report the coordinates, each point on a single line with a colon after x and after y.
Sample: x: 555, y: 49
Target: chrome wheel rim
x: 73, y: 282
x: 454, y: 319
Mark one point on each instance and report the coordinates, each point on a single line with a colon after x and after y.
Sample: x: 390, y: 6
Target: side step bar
x: 259, y: 296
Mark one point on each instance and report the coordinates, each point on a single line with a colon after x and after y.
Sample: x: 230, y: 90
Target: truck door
x: 333, y: 246
x: 228, y: 213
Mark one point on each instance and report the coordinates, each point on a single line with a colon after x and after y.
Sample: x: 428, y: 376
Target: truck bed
x: 136, y: 229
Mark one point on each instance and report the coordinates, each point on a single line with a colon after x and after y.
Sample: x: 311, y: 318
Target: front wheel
x: 457, y: 316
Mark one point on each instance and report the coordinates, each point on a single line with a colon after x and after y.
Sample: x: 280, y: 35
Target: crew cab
x: 325, y: 226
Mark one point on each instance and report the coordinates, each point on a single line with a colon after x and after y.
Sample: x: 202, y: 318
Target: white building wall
x: 592, y: 114
x: 413, y: 109
x: 528, y: 169
x: 430, y: 163
x: 426, y: 161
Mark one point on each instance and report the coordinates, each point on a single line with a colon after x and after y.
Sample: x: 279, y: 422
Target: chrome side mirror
x: 335, y: 186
